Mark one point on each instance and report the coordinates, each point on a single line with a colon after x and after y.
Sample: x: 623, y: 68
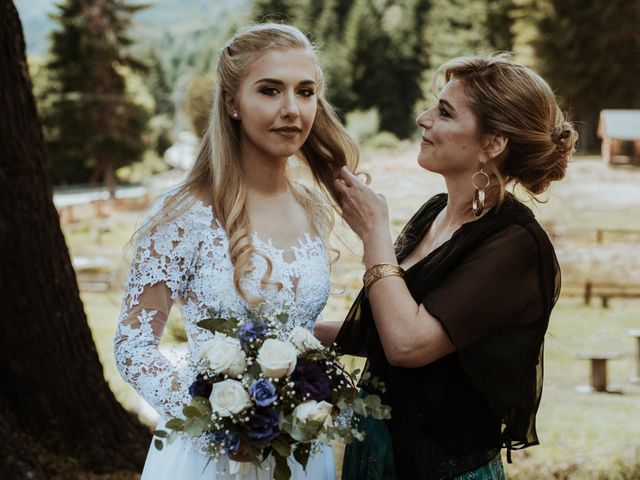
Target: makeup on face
x: 277, y: 102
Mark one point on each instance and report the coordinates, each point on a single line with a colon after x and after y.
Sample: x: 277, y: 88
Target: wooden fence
x: 604, y: 291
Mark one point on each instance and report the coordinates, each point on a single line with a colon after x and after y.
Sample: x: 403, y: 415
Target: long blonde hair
x: 217, y: 176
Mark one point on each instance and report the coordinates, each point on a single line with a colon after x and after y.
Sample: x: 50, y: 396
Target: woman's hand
x: 364, y: 210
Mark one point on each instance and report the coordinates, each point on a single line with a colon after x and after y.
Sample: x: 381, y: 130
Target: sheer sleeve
x: 495, y: 308
x: 496, y: 286
x: 158, y: 278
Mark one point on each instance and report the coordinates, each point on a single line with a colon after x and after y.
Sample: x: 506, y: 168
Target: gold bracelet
x: 378, y: 271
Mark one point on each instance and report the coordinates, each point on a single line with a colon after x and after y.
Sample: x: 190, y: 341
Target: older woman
x: 453, y: 318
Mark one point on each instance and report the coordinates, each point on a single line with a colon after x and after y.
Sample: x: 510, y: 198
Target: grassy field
x: 583, y: 436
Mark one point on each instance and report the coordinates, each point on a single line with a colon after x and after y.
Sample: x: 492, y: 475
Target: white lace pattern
x: 186, y: 261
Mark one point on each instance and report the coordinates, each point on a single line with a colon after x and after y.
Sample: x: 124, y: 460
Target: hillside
x: 180, y: 19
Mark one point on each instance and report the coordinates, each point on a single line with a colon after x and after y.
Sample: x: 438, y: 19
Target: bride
x: 239, y: 233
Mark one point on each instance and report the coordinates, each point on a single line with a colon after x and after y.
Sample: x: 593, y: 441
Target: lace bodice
x: 186, y: 261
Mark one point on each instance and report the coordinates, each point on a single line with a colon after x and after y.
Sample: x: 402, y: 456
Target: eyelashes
x: 272, y: 91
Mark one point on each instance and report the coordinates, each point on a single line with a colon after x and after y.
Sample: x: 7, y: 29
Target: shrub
x: 363, y: 124
x: 382, y: 140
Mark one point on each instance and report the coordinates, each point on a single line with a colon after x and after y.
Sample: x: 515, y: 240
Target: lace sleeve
x: 158, y: 278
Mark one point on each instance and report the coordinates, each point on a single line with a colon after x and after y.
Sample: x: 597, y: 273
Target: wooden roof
x: 619, y: 124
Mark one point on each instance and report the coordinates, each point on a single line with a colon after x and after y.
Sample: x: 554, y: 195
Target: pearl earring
x: 235, y: 116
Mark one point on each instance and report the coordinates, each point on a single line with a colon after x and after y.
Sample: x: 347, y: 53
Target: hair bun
x: 564, y: 137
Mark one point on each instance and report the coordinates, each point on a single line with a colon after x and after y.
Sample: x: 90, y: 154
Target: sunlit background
x: 125, y: 97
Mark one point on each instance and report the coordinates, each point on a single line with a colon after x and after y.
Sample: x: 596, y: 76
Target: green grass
x: 583, y: 436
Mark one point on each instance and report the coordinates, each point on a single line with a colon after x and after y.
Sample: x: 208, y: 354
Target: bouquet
x: 256, y: 395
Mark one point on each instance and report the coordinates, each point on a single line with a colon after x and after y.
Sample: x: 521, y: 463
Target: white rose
x: 225, y: 355
x: 277, y: 358
x: 228, y: 398
x: 303, y: 340
x: 314, y: 411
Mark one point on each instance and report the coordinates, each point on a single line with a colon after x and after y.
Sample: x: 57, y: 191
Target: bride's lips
x: 288, y: 132
x: 424, y: 141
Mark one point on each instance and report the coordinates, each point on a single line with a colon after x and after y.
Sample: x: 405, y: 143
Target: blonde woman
x: 239, y: 233
x: 453, y: 319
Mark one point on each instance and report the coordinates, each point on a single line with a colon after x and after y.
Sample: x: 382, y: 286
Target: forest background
x: 150, y: 69
x: 116, y: 83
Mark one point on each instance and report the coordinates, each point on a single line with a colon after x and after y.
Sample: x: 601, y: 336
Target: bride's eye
x: 270, y: 91
x: 306, y: 92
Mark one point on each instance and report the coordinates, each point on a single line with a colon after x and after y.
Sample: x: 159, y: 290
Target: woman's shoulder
x: 182, y: 208
x: 179, y: 218
x: 521, y: 221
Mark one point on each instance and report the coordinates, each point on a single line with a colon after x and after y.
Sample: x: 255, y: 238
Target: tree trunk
x: 54, y: 401
x: 110, y: 180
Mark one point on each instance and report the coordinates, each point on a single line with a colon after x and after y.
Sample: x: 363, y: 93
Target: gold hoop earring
x: 479, y: 196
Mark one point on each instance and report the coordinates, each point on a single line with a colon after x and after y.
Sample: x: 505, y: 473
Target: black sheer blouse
x: 492, y: 286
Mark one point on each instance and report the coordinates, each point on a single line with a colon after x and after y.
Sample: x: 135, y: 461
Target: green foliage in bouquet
x: 256, y: 395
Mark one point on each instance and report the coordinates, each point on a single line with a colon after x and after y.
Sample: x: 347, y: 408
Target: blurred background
x: 124, y: 91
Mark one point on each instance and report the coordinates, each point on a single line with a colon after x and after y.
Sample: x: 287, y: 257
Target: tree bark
x: 54, y: 401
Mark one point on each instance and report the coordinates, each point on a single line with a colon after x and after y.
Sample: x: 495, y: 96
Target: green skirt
x: 372, y: 459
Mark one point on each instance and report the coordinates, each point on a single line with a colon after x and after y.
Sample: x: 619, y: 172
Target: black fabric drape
x: 492, y: 286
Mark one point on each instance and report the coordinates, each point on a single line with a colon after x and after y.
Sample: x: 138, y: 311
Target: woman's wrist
x: 379, y: 271
x: 378, y: 248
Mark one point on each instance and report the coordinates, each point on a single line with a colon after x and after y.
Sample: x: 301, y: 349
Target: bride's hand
x: 364, y: 210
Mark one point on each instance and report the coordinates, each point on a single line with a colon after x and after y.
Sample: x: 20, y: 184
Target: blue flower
x: 263, y: 427
x: 230, y: 442
x: 200, y: 388
x: 250, y: 331
x: 263, y: 392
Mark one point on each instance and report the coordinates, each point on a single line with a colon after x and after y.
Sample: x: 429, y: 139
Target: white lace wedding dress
x: 185, y: 261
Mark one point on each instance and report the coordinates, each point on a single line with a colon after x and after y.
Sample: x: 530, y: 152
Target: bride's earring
x: 480, y: 177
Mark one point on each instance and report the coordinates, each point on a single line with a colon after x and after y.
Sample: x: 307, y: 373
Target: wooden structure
x: 635, y: 333
x: 84, y: 203
x: 620, y: 134
x: 603, y: 291
x: 598, y: 372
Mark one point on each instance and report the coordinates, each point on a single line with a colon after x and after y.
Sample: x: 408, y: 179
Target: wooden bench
x: 94, y: 274
x: 635, y: 332
x: 598, y: 372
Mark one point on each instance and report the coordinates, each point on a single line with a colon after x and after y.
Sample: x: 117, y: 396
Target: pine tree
x: 92, y: 126
x: 159, y: 86
x: 405, y: 22
x: 368, y: 48
x: 307, y: 13
x: 526, y: 15
x: 333, y: 57
x: 275, y: 10
x: 499, y: 23
x: 589, y: 51
x: 326, y: 27
x: 456, y: 27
